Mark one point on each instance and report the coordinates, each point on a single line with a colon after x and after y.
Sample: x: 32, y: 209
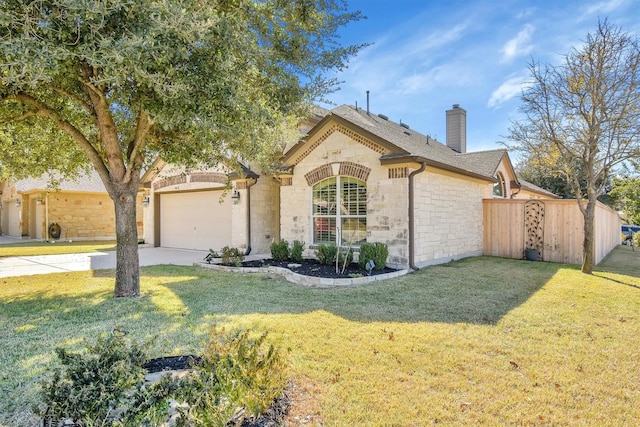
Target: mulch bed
x: 172, y: 363
x: 311, y: 267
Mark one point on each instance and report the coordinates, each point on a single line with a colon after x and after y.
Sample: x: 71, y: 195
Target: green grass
x: 483, y: 341
x: 59, y: 247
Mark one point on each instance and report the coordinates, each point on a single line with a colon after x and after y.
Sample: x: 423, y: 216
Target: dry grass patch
x: 484, y: 341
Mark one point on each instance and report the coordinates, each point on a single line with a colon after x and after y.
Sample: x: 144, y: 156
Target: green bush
x: 237, y: 377
x: 296, y: 251
x: 235, y: 372
x: 231, y: 256
x: 636, y: 239
x: 326, y: 254
x: 104, y: 385
x: 280, y: 250
x: 378, y: 252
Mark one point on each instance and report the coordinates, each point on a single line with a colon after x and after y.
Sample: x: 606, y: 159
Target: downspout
x: 412, y: 264
x: 248, y: 251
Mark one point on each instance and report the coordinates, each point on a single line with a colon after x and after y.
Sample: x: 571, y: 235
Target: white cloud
x: 434, y: 40
x: 602, y: 7
x: 447, y: 75
x: 519, y: 45
x: 509, y: 89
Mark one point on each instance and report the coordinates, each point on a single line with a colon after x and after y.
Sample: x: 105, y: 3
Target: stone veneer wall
x: 82, y: 215
x: 264, y: 214
x: 449, y: 217
x: 387, y: 198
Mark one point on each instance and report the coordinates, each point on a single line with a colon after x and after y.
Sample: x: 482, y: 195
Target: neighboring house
x: 81, y: 208
x: 355, y: 177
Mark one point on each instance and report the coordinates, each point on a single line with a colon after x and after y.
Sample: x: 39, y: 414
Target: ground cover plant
x: 59, y: 247
x: 483, y: 341
x: 236, y: 379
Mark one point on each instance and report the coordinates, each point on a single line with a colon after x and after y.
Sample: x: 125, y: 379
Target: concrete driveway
x: 45, y: 264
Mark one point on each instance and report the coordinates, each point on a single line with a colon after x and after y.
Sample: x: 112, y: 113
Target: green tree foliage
x: 545, y: 172
x: 114, y: 84
x: 625, y: 193
x: 586, y: 113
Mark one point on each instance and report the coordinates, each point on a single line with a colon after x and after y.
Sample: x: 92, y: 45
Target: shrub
x: 636, y: 239
x: 296, y: 251
x: 326, y: 254
x: 237, y: 377
x: 280, y: 250
x: 378, y: 252
x: 235, y: 372
x: 104, y: 383
x: 231, y: 256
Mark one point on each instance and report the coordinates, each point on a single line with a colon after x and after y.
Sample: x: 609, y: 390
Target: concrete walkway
x: 45, y: 264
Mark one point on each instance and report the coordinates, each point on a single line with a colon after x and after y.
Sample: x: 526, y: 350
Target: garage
x: 195, y: 220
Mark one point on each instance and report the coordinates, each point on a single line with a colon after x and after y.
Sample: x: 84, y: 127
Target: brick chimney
x: 457, y: 129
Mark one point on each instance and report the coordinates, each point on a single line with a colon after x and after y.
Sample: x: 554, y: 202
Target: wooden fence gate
x: 552, y: 227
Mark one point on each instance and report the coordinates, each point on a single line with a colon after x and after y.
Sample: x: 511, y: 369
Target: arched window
x: 340, y: 211
x: 499, y: 188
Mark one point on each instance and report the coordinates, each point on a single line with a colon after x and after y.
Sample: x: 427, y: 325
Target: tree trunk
x: 587, y: 244
x: 127, y: 260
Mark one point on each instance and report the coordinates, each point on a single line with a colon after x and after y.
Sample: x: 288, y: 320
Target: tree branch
x: 77, y: 99
x: 44, y: 110
x: 18, y: 118
x: 106, y: 126
x: 136, y: 146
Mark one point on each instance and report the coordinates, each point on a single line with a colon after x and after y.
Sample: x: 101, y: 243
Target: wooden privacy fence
x: 552, y: 227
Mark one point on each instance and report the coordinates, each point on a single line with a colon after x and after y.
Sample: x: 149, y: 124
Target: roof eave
x: 395, y: 159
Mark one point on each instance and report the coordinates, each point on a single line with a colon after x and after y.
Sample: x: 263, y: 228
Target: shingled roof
x: 89, y: 182
x: 410, y: 144
x: 532, y: 187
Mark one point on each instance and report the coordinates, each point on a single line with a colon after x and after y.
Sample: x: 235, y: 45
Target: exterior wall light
x: 145, y: 202
x: 235, y: 197
x: 18, y: 202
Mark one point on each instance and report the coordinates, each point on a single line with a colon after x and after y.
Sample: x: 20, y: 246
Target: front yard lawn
x: 59, y: 247
x: 483, y: 341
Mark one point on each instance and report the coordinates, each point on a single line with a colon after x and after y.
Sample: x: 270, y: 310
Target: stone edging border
x: 300, y: 279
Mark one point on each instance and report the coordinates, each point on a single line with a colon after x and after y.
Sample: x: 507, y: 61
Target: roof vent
x: 404, y: 125
x: 383, y: 117
x: 407, y: 133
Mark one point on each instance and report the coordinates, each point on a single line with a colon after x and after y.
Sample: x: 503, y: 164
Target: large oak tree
x: 586, y: 112
x: 114, y: 84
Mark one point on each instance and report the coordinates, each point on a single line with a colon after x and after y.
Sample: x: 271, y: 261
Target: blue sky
x: 427, y: 55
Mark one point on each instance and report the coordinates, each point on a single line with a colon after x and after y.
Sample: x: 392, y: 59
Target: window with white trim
x: 340, y: 211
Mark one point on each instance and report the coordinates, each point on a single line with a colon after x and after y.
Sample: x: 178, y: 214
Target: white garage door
x: 195, y: 220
